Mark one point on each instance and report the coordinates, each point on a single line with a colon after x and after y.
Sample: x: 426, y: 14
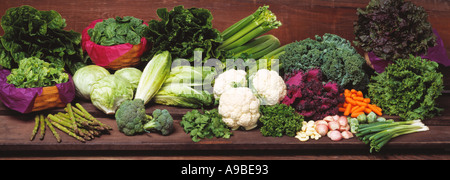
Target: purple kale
x: 310, y: 96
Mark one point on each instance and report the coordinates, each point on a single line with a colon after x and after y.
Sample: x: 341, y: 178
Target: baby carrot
x: 356, y: 114
x: 350, y: 100
x: 360, y: 109
x: 359, y: 94
x: 347, y: 110
x: 361, y: 103
x: 375, y: 109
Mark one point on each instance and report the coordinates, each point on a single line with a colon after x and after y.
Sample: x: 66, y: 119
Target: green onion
x: 252, y: 26
x: 380, y: 133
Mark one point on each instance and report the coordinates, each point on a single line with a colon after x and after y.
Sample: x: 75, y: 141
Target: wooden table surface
x: 301, y: 19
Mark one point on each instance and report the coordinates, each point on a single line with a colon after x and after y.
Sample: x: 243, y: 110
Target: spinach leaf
x: 116, y: 31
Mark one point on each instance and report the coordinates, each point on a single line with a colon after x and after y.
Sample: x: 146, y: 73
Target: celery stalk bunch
x: 252, y: 26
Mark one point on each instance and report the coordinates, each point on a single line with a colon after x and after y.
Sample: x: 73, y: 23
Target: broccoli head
x: 161, y: 121
x: 131, y: 117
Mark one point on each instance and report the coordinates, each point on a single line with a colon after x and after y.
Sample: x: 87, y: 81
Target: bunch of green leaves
x: 33, y: 72
x: 187, y: 86
x: 279, y: 120
x: 183, y: 31
x: 114, y: 31
x: 30, y: 32
x: 393, y: 29
x: 408, y: 88
x: 334, y: 55
x: 208, y: 124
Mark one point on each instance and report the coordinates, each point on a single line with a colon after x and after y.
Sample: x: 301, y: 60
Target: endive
x: 154, y: 75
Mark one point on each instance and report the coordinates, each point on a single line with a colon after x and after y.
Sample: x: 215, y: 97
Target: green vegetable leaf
x: 33, y: 33
x: 208, y: 124
x: 182, y: 31
x: 279, y: 120
x: 408, y: 88
x: 33, y: 72
x: 116, y: 31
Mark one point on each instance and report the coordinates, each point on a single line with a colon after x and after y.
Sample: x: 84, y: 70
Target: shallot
x: 322, y: 129
x: 343, y: 121
x: 347, y: 134
x: 333, y: 125
x: 328, y: 118
x: 335, y: 135
x: 321, y: 122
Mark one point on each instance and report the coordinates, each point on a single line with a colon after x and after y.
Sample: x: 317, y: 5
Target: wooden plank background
x: 301, y: 19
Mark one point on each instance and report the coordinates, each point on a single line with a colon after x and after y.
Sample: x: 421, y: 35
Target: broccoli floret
x: 132, y: 120
x: 131, y: 117
x: 161, y: 121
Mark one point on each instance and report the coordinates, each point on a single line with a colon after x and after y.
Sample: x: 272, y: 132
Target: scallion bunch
x: 379, y: 133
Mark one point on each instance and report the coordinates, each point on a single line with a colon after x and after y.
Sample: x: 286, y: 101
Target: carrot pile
x: 355, y: 104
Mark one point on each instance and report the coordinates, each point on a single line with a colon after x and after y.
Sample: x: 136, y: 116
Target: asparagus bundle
x: 75, y: 122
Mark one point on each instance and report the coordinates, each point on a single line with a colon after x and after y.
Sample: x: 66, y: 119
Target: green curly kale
x: 393, y: 29
x: 408, y: 88
x: 279, y: 120
x: 334, y: 55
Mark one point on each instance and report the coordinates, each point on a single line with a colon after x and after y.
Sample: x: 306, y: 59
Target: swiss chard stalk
x: 258, y: 23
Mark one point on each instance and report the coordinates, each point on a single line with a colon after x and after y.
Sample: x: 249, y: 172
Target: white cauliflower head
x: 268, y: 86
x: 229, y: 79
x: 239, y: 107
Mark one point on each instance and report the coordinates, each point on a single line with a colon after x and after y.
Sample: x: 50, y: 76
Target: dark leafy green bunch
x: 30, y: 32
x: 33, y: 72
x: 335, y: 56
x: 393, y: 29
x: 408, y: 88
x: 114, y: 31
x: 208, y: 124
x: 183, y: 31
x: 279, y: 120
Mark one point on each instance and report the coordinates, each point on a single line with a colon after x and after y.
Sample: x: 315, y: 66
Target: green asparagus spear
x: 36, y: 126
x: 67, y: 131
x: 42, y: 124
x: 83, y: 113
x: 50, y: 126
x: 72, y: 119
